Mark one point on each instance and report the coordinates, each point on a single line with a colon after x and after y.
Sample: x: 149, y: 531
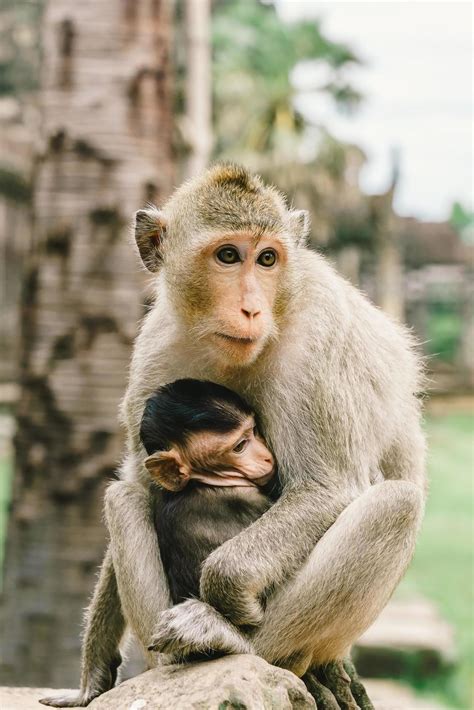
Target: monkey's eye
x: 228, y: 255
x: 238, y: 448
x: 267, y: 258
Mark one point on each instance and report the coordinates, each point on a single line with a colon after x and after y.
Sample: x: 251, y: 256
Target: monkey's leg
x: 346, y: 581
x: 105, y: 626
x: 141, y: 580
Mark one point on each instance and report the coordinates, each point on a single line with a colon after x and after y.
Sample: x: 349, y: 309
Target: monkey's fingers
x: 69, y: 699
x: 357, y: 687
x: 325, y: 700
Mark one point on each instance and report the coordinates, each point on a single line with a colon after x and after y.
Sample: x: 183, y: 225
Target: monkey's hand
x: 195, y: 628
x: 230, y: 588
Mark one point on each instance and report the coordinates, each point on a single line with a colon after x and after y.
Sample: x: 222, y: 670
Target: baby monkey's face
x: 237, y: 458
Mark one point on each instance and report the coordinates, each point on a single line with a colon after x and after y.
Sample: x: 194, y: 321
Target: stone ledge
x: 231, y: 683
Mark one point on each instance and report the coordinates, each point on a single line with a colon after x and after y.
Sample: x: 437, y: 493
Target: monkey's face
x: 237, y: 458
x: 234, y: 295
x: 227, y: 248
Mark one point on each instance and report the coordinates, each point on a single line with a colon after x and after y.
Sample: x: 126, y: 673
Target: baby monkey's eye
x: 238, y: 448
x: 267, y: 258
x: 228, y: 255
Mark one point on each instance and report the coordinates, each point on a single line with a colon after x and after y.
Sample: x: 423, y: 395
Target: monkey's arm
x: 105, y: 625
x: 236, y: 576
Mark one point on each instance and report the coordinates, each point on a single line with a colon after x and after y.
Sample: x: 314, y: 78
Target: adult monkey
x: 243, y: 302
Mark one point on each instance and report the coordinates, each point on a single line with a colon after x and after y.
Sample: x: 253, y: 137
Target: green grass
x: 5, y: 482
x: 443, y: 331
x: 443, y: 566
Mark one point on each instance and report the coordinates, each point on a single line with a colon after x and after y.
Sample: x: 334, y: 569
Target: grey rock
x: 230, y: 683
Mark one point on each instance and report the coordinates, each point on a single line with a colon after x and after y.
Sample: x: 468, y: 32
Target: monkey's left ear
x: 299, y: 224
x: 150, y: 230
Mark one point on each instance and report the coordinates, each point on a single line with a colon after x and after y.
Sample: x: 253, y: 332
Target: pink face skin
x: 240, y: 280
x: 240, y: 458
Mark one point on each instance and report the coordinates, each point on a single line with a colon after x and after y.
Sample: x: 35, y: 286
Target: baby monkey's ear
x: 167, y: 469
x: 150, y: 230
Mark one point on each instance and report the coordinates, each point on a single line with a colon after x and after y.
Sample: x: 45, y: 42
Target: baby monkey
x: 217, y: 477
x: 216, y: 472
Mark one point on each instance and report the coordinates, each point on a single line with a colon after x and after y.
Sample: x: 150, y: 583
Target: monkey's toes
x: 357, y: 687
x: 334, y: 677
x: 72, y: 699
x: 325, y: 700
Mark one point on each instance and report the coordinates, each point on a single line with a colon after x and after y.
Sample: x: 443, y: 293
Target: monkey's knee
x: 404, y: 504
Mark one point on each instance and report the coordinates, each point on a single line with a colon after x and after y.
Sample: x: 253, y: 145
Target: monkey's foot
x: 336, y: 686
x: 357, y: 687
x: 325, y: 700
x: 196, y: 628
x: 100, y: 680
x: 70, y: 699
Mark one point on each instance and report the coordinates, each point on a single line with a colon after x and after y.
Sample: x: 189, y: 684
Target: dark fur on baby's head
x: 184, y: 407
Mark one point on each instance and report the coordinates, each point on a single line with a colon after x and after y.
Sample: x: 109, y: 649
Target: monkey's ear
x: 150, y: 230
x: 299, y: 224
x: 167, y: 469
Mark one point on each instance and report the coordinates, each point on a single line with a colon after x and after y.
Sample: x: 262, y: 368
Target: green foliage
x: 462, y: 219
x: 19, y: 40
x: 5, y: 486
x: 444, y: 560
x: 13, y: 185
x: 351, y: 229
x: 444, y: 330
x: 461, y: 216
x: 254, y: 54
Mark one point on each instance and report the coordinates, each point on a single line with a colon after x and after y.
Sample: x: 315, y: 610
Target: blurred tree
x: 255, y: 54
x: 105, y: 150
x: 461, y: 216
x: 19, y: 53
x: 198, y: 93
x: 19, y: 73
x: 462, y: 220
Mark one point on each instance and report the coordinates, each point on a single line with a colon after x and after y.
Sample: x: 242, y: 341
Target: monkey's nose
x: 250, y: 312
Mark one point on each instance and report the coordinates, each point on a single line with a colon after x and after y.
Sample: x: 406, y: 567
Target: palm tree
x: 255, y: 54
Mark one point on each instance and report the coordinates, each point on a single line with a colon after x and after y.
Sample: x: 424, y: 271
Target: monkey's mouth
x: 235, y: 339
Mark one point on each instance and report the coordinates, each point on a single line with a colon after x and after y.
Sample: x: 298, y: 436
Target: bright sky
x: 417, y: 80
